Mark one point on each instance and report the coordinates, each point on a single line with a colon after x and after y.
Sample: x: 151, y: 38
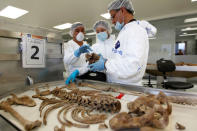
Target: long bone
x: 28, y: 125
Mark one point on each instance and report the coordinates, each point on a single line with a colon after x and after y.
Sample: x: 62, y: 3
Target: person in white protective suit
x: 105, y: 40
x: 74, y: 52
x: 130, y: 51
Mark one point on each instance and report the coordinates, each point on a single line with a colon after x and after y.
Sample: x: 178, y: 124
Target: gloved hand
x: 72, y: 77
x: 82, y: 49
x: 99, y: 65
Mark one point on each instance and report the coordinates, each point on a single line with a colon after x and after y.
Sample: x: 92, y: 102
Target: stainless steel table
x: 6, y: 126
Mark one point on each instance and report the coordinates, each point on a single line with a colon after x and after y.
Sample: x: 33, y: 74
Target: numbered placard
x: 33, y: 48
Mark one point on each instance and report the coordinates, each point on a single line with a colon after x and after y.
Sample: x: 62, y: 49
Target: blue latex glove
x: 82, y: 49
x: 99, y: 65
x: 72, y: 77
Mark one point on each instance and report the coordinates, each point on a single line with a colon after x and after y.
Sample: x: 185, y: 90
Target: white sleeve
x: 69, y: 57
x: 134, y: 51
x: 83, y: 70
x: 151, y: 30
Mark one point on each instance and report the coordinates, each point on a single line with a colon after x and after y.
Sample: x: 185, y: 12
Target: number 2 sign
x: 33, y: 51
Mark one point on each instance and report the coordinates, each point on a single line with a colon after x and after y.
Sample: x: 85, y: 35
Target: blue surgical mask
x: 119, y: 26
x: 102, y: 36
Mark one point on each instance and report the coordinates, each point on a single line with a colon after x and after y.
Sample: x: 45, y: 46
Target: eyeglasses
x: 112, y: 17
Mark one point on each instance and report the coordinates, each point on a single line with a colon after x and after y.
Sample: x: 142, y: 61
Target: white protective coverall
x: 130, y: 54
x: 71, y: 62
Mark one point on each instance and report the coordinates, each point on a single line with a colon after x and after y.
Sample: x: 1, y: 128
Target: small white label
x: 33, y: 52
x: 92, y: 74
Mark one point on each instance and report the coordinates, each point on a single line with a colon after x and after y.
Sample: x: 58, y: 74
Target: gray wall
x: 164, y: 44
x: 12, y: 75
